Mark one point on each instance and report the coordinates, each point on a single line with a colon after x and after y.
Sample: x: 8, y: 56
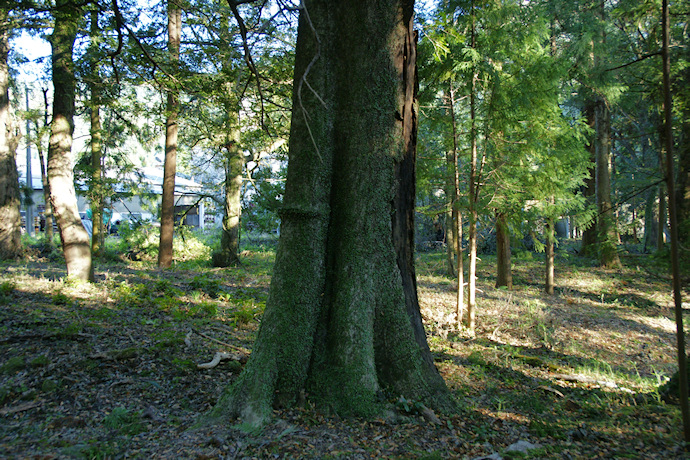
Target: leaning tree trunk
x: 342, y: 322
x: 607, y: 232
x: 10, y: 219
x: 75, y: 239
x: 504, y: 275
x: 165, y: 247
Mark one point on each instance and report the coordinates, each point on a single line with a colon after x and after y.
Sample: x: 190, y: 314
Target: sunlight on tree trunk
x: 165, y: 248
x: 96, y: 184
x: 472, y: 195
x: 675, y: 262
x: 10, y: 219
x: 75, y: 240
x: 342, y: 321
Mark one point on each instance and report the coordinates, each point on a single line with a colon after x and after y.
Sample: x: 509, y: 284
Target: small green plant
x: 245, y: 314
x: 40, y: 361
x: 7, y: 288
x: 210, y: 286
x: 134, y: 295
x: 125, y: 421
x: 14, y: 364
x: 60, y: 298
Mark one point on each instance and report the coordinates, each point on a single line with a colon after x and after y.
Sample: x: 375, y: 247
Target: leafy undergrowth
x: 110, y: 370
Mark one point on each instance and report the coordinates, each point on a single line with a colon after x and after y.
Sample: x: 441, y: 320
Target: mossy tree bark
x: 75, y: 240
x: 165, y: 247
x: 230, y: 238
x: 10, y: 220
x: 342, y: 323
x: 96, y: 183
x: 607, y: 231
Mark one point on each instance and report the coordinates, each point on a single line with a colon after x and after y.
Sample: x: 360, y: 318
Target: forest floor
x: 109, y: 370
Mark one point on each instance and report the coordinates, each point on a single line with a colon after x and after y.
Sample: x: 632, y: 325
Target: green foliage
x: 204, y: 282
x: 60, y: 298
x: 134, y: 295
x: 6, y: 292
x: 40, y: 361
x: 13, y: 365
x: 124, y: 421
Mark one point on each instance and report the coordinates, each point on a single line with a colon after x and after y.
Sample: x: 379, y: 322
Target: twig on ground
x: 220, y: 342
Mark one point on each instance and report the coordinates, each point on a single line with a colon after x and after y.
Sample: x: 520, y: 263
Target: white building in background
x: 124, y: 206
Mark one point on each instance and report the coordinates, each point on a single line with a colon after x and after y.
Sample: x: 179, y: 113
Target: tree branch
x: 646, y: 56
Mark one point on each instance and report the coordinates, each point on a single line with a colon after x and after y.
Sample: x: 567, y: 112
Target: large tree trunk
x: 607, y: 231
x: 10, y: 220
x: 165, y: 248
x: 96, y: 183
x: 75, y: 239
x: 504, y: 275
x: 342, y: 321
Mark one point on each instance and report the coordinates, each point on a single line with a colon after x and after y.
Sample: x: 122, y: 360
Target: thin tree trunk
x: 504, y: 275
x: 550, y: 256
x: 675, y: 262
x: 96, y: 184
x: 683, y: 186
x: 48, y: 210
x: 165, y: 248
x: 75, y: 240
x: 456, y: 215
x: 650, y: 223
x: 660, y: 234
x: 451, y: 190
x: 472, y: 195
x: 10, y: 218
x: 589, y: 234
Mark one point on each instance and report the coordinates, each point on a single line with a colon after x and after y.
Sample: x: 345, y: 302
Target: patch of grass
x: 13, y: 365
x: 125, y: 421
x: 134, y: 295
x: 40, y: 361
x: 206, y: 284
x: 60, y: 298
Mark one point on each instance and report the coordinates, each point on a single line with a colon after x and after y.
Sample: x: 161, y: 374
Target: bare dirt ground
x: 110, y: 370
